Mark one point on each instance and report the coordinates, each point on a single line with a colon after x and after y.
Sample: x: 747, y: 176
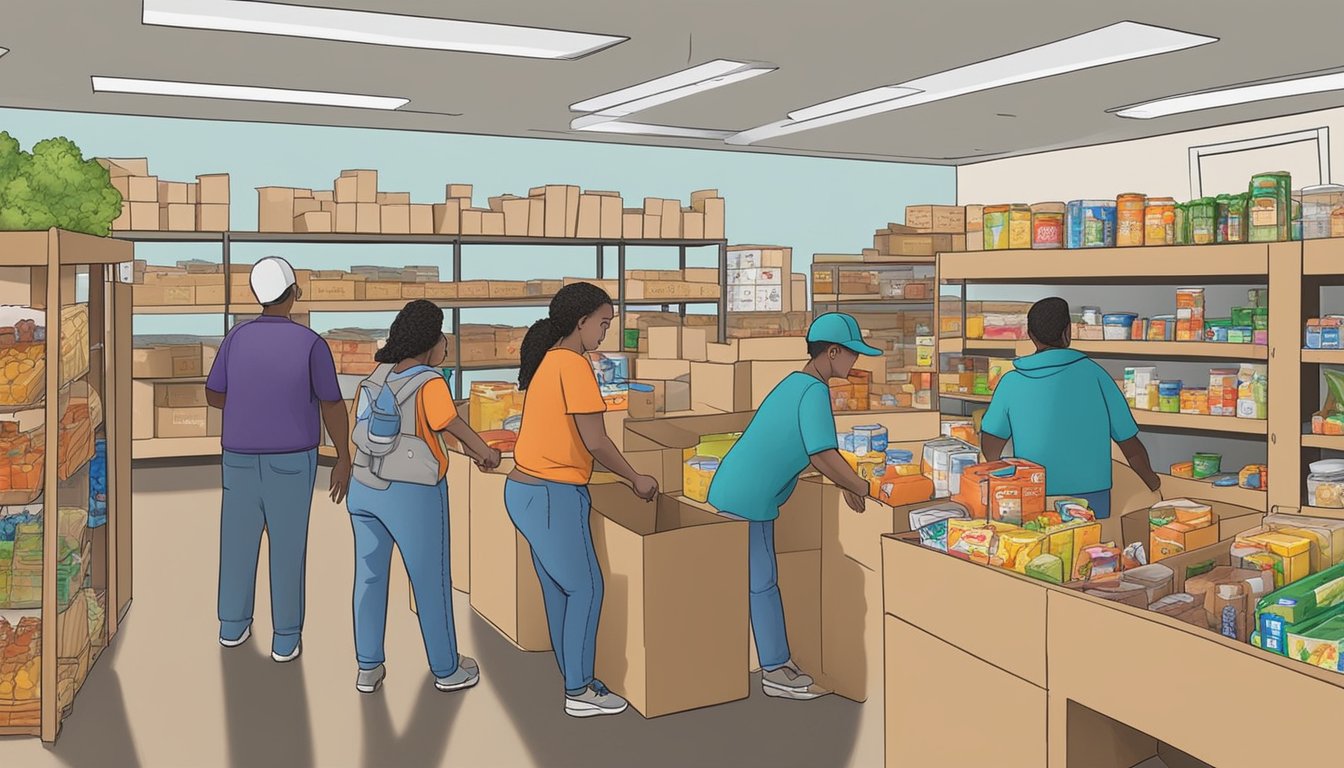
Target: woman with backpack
x: 547, y: 494
x: 398, y: 495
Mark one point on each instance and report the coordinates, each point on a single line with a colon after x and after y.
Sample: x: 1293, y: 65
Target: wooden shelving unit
x: 174, y: 447
x: 70, y: 642
x: 1137, y: 350
x: 1323, y: 356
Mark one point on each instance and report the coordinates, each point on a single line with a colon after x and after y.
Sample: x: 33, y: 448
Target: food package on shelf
x: 1286, y: 610
x: 75, y: 342
x: 21, y: 464
x: 1008, y: 491
x: 932, y: 524
x: 1328, y: 535
x: 22, y: 373
x: 1320, y: 643
x: 1286, y: 555
x: 21, y: 670
x: 494, y: 405
x: 1046, y: 567
x: 98, y: 485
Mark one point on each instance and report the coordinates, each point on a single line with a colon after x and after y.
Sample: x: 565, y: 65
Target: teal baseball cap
x: 843, y: 330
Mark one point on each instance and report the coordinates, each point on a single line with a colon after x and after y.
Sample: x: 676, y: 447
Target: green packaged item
x: 1160, y: 516
x: 1305, y: 598
x: 1270, y: 207
x: 1243, y: 315
x: 1203, y: 221
x: 1260, y: 319
x: 632, y: 338
x: 1320, y: 642
x: 1046, y: 568
x: 1334, y: 381
x: 1258, y: 297
x: 1182, y: 223
x: 6, y: 555
x: 1207, y: 465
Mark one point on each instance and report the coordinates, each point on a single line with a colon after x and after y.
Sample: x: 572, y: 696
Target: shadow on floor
x: 757, y: 731
x: 98, y: 731
x: 424, y: 742
x: 267, y: 708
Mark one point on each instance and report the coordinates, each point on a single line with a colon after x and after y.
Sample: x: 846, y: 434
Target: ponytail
x: 572, y: 304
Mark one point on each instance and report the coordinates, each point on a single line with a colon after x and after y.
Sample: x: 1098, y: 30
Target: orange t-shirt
x: 434, y: 411
x: 549, y: 446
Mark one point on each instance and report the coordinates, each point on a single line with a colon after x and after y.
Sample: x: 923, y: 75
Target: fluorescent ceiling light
x: 374, y: 28
x: 3, y: 51
x: 1124, y: 41
x: 605, y: 125
x: 243, y: 93
x: 678, y: 85
x: 854, y: 101
x: 1193, y: 102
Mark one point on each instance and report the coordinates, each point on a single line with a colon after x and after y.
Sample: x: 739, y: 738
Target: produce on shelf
x: 153, y: 204
x: 54, y: 186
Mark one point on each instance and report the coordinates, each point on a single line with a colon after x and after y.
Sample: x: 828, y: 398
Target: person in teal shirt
x: 1062, y: 410
x: 793, y: 428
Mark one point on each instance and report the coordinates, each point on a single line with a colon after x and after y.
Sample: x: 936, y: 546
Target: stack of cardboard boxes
x: 354, y: 205
x: 168, y: 206
x: 165, y: 402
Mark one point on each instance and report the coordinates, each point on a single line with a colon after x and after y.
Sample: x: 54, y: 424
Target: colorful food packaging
x: 1329, y: 535
x: 1304, y: 599
x: 1320, y: 643
x: 1098, y: 560
x: 1009, y: 491
x: 1046, y: 567
x: 1185, y: 469
x: 932, y: 524
x: 1135, y: 556
x: 896, y: 490
x: 1176, y: 538
x: 1253, y: 391
x: 1253, y: 476
x: 1292, y: 554
x: 1017, y: 548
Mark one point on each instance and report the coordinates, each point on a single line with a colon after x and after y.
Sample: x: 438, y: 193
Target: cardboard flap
x: 618, y: 503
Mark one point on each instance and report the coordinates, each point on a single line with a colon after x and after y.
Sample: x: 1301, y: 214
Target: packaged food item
x: 1195, y: 400
x: 1253, y: 391
x: 870, y: 439
x: 932, y: 524
x: 1301, y: 601
x: 1019, y: 226
x: 971, y: 540
x: 898, y: 490
x: 1017, y: 548
x: 1129, y: 220
x: 1185, y: 469
x: 1117, y: 326
x: 937, y: 462
x: 1169, y: 396
x: 1141, y: 387
x: 1270, y: 207
x: 1203, y: 221
x: 1157, y: 579
x: 697, y: 476
x: 1253, y: 476
x: 1320, y: 643
x: 1207, y: 465
x: 1291, y: 554
x: 1159, y: 221
x: 1190, y: 314
x: 1090, y: 224
x: 996, y: 227
x: 1047, y: 225
x: 1328, y: 534
x: 1134, y: 556
x: 1008, y: 491
x: 1046, y: 567
x: 1223, y: 392
x: 1098, y: 560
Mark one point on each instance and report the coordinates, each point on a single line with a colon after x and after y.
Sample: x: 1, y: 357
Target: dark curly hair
x: 418, y: 327
x: 570, y: 305
x: 1047, y: 321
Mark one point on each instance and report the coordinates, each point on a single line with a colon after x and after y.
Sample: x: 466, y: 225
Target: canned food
x: 1019, y: 227
x: 1047, y: 225
x: 1090, y: 224
x: 1270, y: 207
x: 1129, y: 219
x: 1159, y: 221
x: 1203, y: 221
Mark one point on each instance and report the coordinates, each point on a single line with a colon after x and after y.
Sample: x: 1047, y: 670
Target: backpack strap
x: 405, y: 389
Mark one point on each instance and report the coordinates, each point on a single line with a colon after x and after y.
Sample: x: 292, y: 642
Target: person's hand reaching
x: 855, y: 501
x: 645, y: 487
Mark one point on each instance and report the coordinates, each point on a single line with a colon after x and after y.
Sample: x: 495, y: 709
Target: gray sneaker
x: 595, y: 700
x: 788, y: 682
x: 468, y: 674
x: 370, y: 680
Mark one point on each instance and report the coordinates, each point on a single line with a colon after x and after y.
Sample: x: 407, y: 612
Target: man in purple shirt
x: 272, y: 378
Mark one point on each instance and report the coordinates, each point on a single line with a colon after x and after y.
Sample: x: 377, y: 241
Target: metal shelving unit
x: 457, y: 243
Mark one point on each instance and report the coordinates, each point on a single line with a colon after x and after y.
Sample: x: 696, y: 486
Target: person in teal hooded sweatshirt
x: 1062, y: 410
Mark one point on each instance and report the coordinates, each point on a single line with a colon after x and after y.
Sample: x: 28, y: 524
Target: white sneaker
x: 298, y: 649
x: 237, y: 642
x: 596, y: 700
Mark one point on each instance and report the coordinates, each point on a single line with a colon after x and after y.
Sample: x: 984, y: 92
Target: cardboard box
x: 590, y: 216
x: 168, y: 395
x: 345, y: 190
x: 180, y: 422
x: 653, y: 226
x: 366, y: 185
x: 473, y: 221
x: 382, y: 290
x: 368, y: 218
x: 507, y: 289
x: 125, y: 166
x: 394, y: 198
x: 921, y: 729
x: 142, y: 409
x: 336, y: 290
x: 275, y: 209
x: 693, y: 225
x: 936, y: 219
x: 492, y: 224
x: 517, y: 211
x: 313, y: 221
x: 665, y: 343
x: 632, y: 224
x: 671, y: 219
x: 143, y: 189
x: 612, y: 217
x: 396, y: 219
x: 422, y: 219
x: 212, y: 217
x: 789, y: 348
x: 473, y: 289
x: 144, y: 216
x: 505, y: 590
x: 555, y: 202
x: 571, y: 211
x: 447, y: 218
x: 212, y: 189
x: 673, y: 633
x: 458, y: 192
x: 736, y: 387
x: 1229, y: 520
x: 172, y: 192
x: 715, y: 228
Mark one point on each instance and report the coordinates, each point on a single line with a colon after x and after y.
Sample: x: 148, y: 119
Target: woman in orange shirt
x: 547, y: 494
x: 398, y: 495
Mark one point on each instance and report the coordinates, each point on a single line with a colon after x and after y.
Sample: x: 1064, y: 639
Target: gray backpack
x: 388, y: 446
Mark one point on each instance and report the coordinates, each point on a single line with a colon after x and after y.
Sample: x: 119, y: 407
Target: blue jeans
x: 553, y: 517
x: 767, y: 606
x: 1099, y: 501
x: 274, y: 493
x: 415, y: 519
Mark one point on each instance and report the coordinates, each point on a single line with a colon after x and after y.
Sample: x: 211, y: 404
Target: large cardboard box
x: 447, y: 217
x: 143, y: 189
x: 396, y: 219
x: 936, y: 219
x: 1229, y: 520
x: 366, y: 185
x: 212, y: 217
x: 736, y: 386
x: 368, y: 218
x: 658, y: 447
x: 612, y: 217
x: 422, y: 219
x: 275, y: 209
x: 673, y: 633
x: 180, y: 422
x: 590, y: 216
x: 517, y: 211
x: 169, y: 395
x: 764, y: 349
x: 928, y: 682
x: 504, y: 586
x: 177, y: 217
x: 212, y: 189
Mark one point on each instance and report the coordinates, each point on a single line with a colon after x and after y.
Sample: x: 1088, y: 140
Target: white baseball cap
x: 270, y: 278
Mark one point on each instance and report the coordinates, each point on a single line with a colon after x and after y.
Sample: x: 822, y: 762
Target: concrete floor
x: 166, y: 694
